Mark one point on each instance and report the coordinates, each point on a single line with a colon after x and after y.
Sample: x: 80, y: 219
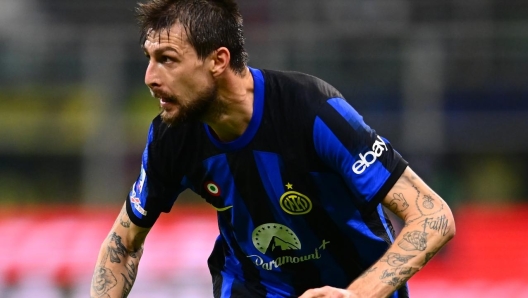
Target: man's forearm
x: 116, y: 269
x: 118, y: 259
x: 416, y: 244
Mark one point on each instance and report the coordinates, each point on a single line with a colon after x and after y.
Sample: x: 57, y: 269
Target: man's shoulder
x: 300, y: 83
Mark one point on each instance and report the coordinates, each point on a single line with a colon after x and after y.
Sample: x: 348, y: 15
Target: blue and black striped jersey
x: 298, y: 194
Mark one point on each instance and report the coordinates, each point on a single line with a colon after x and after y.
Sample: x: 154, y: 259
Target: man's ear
x: 220, y: 61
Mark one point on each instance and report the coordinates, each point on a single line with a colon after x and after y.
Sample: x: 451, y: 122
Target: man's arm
x: 117, y: 264
x: 429, y: 225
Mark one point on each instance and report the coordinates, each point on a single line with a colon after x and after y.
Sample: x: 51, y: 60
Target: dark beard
x: 193, y: 111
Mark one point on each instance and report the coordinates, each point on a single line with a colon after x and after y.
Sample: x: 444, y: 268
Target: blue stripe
x: 337, y: 198
x: 337, y: 156
x: 218, y: 167
x: 150, y: 137
x: 384, y: 221
x: 227, y: 284
x: 270, y: 166
x: 140, y: 189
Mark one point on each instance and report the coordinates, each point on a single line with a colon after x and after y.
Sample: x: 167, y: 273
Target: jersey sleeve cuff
x: 146, y: 222
x: 387, y: 186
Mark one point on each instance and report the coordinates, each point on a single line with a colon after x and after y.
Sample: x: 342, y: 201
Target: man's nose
x: 151, y: 76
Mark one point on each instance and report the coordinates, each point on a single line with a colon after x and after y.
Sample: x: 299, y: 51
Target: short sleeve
x: 152, y: 192
x: 368, y: 163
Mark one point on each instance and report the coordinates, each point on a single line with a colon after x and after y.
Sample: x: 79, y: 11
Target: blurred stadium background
x: 445, y: 81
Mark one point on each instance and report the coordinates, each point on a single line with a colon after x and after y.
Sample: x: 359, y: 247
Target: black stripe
x: 351, y: 139
x: 216, y: 263
x: 375, y: 224
x: 323, y: 226
x: 247, y: 182
x: 260, y: 208
x: 403, y: 292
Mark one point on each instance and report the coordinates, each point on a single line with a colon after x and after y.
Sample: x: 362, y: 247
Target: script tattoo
x: 396, y: 259
x: 390, y: 278
x: 103, y: 280
x: 398, y: 202
x: 415, y: 240
x: 440, y: 224
x: 397, y: 276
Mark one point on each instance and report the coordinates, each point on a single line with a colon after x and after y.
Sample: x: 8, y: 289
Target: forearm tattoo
x: 129, y: 278
x: 430, y: 222
x: 397, y: 276
x: 398, y: 203
x: 124, y: 220
x: 396, y: 259
x: 104, y: 279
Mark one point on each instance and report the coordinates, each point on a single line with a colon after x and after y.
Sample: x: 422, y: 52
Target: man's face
x: 177, y: 77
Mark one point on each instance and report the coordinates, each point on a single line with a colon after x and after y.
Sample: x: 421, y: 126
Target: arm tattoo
x: 398, y: 202
x: 440, y: 224
x: 103, y: 280
x: 430, y: 255
x: 396, y: 259
x: 415, y: 240
x: 397, y: 276
x: 116, y: 248
x: 129, y: 278
x: 427, y: 205
x: 124, y: 220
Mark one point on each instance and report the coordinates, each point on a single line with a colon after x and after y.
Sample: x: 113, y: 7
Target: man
x: 298, y: 179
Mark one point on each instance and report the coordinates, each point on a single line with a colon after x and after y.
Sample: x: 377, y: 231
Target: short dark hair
x: 209, y: 24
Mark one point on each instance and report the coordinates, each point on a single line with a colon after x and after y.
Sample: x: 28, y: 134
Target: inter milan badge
x: 295, y: 203
x: 213, y: 188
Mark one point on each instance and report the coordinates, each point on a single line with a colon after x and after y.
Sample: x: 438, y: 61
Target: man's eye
x: 165, y: 59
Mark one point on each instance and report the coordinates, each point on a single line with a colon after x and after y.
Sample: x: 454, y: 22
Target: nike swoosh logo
x: 223, y: 209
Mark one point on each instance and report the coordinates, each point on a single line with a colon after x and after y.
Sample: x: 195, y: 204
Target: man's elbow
x: 450, y: 227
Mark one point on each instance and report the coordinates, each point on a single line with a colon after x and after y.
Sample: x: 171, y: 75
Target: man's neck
x: 236, y: 96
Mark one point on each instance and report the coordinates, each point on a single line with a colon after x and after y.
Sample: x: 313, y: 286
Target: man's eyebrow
x: 158, y: 51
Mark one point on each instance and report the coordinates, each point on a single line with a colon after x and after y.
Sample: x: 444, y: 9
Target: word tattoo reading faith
x: 440, y: 224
